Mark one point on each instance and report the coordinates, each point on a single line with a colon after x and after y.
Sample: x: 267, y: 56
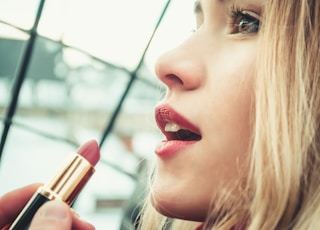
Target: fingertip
x: 52, y: 215
x: 55, y: 210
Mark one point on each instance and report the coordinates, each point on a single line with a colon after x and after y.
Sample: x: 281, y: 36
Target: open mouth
x: 174, y: 126
x: 174, y: 132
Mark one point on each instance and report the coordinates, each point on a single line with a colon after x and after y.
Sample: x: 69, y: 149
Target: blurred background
x: 74, y: 70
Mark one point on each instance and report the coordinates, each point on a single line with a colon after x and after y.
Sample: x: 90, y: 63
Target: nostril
x: 174, y: 79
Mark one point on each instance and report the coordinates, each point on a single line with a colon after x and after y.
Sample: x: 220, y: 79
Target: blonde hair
x: 283, y: 187
x: 286, y: 156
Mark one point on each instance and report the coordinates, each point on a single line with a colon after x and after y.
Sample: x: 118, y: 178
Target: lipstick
x: 65, y: 185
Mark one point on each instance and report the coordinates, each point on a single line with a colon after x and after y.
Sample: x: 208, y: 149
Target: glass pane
x: 68, y: 89
x: 131, y: 145
x: 135, y: 128
x: 102, y: 200
x: 36, y: 157
x: 146, y: 73
x: 7, y: 31
x: 177, y: 25
x: 12, y: 43
x: 115, y: 31
x: 20, y: 13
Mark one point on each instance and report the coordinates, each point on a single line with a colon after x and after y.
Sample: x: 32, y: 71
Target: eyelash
x: 236, y: 13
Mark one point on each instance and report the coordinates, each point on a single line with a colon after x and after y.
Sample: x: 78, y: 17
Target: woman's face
x: 209, y: 81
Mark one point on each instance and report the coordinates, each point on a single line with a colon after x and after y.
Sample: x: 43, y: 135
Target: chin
x: 177, y: 207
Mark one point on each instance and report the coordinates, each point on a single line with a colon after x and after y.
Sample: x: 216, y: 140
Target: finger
x: 13, y: 202
x: 59, y: 219
x: 53, y: 215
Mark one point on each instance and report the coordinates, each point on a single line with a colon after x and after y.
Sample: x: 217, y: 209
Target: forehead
x: 198, y: 3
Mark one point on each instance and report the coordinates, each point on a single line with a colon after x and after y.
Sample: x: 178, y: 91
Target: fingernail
x: 55, y: 210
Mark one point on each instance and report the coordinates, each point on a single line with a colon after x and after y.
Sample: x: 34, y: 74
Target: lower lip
x: 168, y: 148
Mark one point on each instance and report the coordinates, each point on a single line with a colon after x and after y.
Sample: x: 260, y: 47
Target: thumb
x: 53, y: 215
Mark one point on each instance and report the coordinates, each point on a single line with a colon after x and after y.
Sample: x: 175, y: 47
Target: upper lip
x: 165, y: 114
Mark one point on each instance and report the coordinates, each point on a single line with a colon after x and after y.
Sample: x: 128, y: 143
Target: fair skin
x: 209, y: 79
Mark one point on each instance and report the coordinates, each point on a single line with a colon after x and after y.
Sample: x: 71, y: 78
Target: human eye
x: 243, y: 21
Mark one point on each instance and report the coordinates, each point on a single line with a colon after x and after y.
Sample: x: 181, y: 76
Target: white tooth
x: 171, y: 127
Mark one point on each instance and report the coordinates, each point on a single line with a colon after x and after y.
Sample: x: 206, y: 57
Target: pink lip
x: 163, y: 115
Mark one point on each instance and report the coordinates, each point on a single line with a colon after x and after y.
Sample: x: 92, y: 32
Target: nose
x: 182, y: 68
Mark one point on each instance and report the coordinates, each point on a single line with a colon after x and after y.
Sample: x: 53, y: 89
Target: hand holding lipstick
x: 57, y: 215
x: 12, y: 203
x: 48, y: 206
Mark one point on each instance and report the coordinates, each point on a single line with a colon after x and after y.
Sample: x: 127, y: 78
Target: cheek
x: 229, y: 118
x: 230, y: 87
x: 230, y: 93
